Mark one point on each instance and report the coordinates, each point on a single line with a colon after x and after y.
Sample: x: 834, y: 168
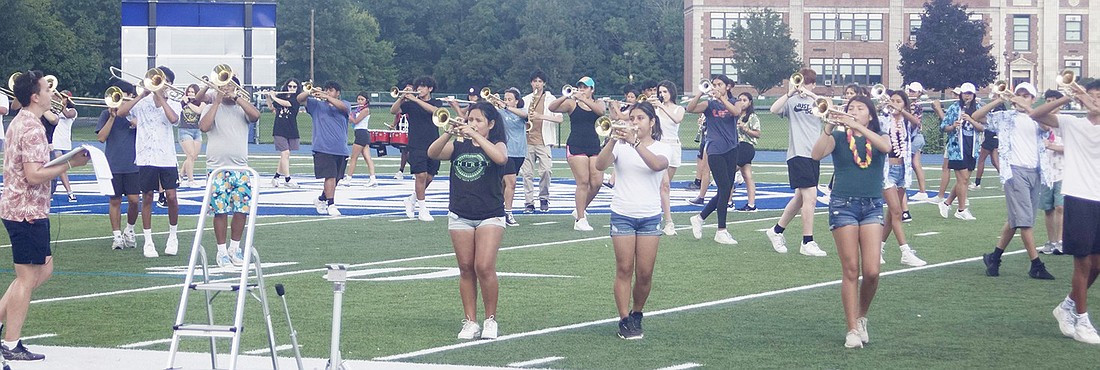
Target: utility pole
x: 311, y: 49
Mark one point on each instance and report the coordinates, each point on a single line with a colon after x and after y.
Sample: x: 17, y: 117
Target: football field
x: 712, y: 305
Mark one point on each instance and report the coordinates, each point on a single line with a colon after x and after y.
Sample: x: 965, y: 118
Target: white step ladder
x: 241, y: 285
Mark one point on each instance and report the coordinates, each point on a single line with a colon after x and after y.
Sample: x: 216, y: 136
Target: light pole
x: 1009, y: 57
x: 630, y: 65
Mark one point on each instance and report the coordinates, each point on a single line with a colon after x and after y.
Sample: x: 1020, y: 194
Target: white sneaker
x: 1047, y: 248
x: 118, y: 243
x: 778, y: 242
x: 150, y: 249
x: 670, y: 228
x: 346, y: 181
x: 1085, y: 333
x: 236, y: 256
x: 909, y: 257
x: 824, y: 189
x: 811, y: 249
x: 944, y: 209
x: 861, y: 327
x: 738, y: 179
x: 965, y: 215
x: 582, y: 225
x: 937, y: 199
x: 574, y: 214
x: 223, y: 260
x: 1067, y: 320
x: 470, y: 330
x: 852, y: 340
x: 919, y: 197
x: 399, y: 175
x: 130, y: 239
x: 425, y: 215
x: 824, y: 199
x: 410, y: 209
x: 333, y: 211
x: 291, y: 184
x: 489, y: 329
x: 372, y: 182
x: 697, y: 227
x: 172, y: 246
x: 974, y: 187
x: 882, y: 254
x: 724, y: 237
x: 322, y: 206
x: 276, y: 182
x: 192, y: 184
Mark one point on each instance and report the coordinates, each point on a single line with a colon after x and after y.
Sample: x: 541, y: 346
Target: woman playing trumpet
x: 582, y: 144
x: 898, y: 173
x: 721, y: 141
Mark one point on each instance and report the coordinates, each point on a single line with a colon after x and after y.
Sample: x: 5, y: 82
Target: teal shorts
x: 1049, y: 198
x: 231, y: 192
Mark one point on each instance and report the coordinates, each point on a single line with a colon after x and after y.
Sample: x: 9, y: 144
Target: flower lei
x: 898, y: 140
x: 862, y: 163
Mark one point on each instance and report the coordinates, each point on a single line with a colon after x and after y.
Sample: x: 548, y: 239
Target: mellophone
x: 382, y: 138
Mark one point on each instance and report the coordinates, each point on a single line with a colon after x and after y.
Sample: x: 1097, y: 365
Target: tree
x: 36, y: 38
x: 948, y: 50
x: 346, y: 41
x: 763, y: 50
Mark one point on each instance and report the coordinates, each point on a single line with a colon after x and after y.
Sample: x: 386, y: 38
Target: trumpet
x: 568, y: 91
x: 1001, y: 90
x: 442, y: 119
x: 797, y: 79
x: 394, y: 91
x: 307, y: 85
x: 824, y: 109
x: 705, y: 86
x: 878, y: 91
x: 1067, y: 82
x: 642, y: 98
x: 487, y: 95
x: 604, y: 126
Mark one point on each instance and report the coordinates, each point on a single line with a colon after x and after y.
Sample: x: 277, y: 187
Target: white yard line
x: 927, y: 233
x: 537, y: 361
x: 544, y: 223
x: 264, y: 351
x: 146, y: 343
x: 689, y: 365
x: 39, y: 336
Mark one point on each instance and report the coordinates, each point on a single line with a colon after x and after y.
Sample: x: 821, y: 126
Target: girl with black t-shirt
x: 582, y: 145
x: 285, y: 130
x: 476, y: 218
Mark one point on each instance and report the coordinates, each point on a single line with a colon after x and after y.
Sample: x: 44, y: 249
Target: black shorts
x: 968, y: 162
x: 803, y: 172
x: 30, y: 241
x: 745, y: 153
x: 125, y: 184
x: 362, y: 137
x: 702, y: 149
x: 419, y: 162
x: 582, y: 150
x: 1080, y: 236
x: 152, y: 178
x: 990, y: 143
x: 329, y: 166
x: 513, y: 165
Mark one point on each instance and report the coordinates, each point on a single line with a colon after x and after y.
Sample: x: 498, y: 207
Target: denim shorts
x: 918, y: 143
x: 854, y: 211
x: 454, y: 222
x: 896, y: 177
x: 192, y: 134
x: 631, y: 226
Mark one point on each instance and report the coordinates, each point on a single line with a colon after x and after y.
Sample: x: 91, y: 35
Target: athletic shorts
x: 362, y: 137
x: 573, y: 151
x: 283, y: 144
x: 30, y: 241
x: 745, y: 153
x: 677, y: 154
x: 634, y: 226
x: 1051, y: 197
x: 968, y: 162
x: 126, y: 184
x: 513, y: 165
x: 419, y: 162
x: 854, y: 211
x: 329, y: 166
x: 1080, y: 236
x: 990, y: 143
x: 1022, y: 196
x: 231, y: 192
x: 190, y: 134
x: 151, y: 178
x: 803, y: 172
x: 454, y: 222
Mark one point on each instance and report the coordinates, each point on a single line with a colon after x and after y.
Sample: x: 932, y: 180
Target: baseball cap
x: 968, y: 88
x: 915, y: 87
x: 474, y: 90
x: 587, y: 81
x: 1028, y: 87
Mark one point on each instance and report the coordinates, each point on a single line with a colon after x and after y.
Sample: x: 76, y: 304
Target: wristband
x: 637, y: 141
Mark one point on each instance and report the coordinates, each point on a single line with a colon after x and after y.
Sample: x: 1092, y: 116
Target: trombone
x: 154, y: 80
x: 442, y: 119
x: 796, y: 80
x: 604, y: 126
x: 223, y: 76
x: 113, y: 97
x: 394, y: 91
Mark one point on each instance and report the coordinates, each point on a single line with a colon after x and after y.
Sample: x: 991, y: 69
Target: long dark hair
x: 902, y: 94
x: 650, y: 112
x: 671, y: 90
x: 968, y: 107
x: 874, y: 125
x: 750, y: 110
x: 496, y: 133
x: 727, y: 81
x: 297, y: 87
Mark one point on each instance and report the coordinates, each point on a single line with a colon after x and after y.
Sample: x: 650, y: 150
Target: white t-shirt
x: 1082, y: 167
x: 637, y: 187
x: 362, y: 125
x: 155, y: 145
x: 1025, y: 147
x: 670, y: 130
x: 63, y: 134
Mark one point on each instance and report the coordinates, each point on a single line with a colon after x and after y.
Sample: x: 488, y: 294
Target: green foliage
x: 949, y: 49
x: 763, y: 51
x: 346, y: 43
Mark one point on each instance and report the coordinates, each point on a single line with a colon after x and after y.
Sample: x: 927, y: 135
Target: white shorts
x: 454, y: 222
x: 677, y: 154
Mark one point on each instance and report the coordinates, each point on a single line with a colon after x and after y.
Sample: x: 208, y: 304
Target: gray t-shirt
x: 805, y: 126
x: 228, y: 138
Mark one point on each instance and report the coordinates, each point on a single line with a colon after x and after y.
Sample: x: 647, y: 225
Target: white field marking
x: 665, y: 311
x: 927, y: 233
x: 145, y: 343
x: 689, y: 365
x: 264, y: 351
x: 764, y: 229
x: 544, y: 223
x: 405, y: 219
x: 39, y: 336
x: 537, y: 361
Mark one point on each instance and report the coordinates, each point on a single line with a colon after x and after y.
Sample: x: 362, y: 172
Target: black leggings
x: 723, y: 168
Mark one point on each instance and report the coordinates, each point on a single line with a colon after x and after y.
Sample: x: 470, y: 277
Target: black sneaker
x: 511, y: 220
x: 698, y: 201
x: 162, y: 201
x: 627, y: 330
x: 692, y: 186
x: 992, y: 265
x: 637, y: 317
x: 20, y: 353
x: 529, y: 208
x: 906, y: 217
x: 544, y: 205
x: 747, y: 208
x: 1039, y: 271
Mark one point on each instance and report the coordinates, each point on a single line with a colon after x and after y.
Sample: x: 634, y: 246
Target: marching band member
x: 61, y: 141
x: 721, y: 118
x: 401, y: 123
x: 1051, y: 200
x: 621, y: 112
x: 640, y: 159
x: 915, y: 89
x: 476, y: 210
x: 855, y: 210
x: 945, y: 172
x: 582, y: 145
x: 1082, y: 204
x: 1020, y: 151
x: 960, y: 127
x: 419, y: 107
x: 285, y: 130
x: 802, y: 170
x: 897, y: 173
x: 538, y: 151
x: 330, y: 140
x: 361, y: 147
x: 748, y: 131
x: 702, y: 168
x: 190, y: 137
x: 670, y: 114
x: 120, y: 134
x: 156, y: 158
x: 515, y: 126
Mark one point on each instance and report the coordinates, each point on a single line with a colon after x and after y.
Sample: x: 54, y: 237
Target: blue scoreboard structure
x: 197, y: 35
